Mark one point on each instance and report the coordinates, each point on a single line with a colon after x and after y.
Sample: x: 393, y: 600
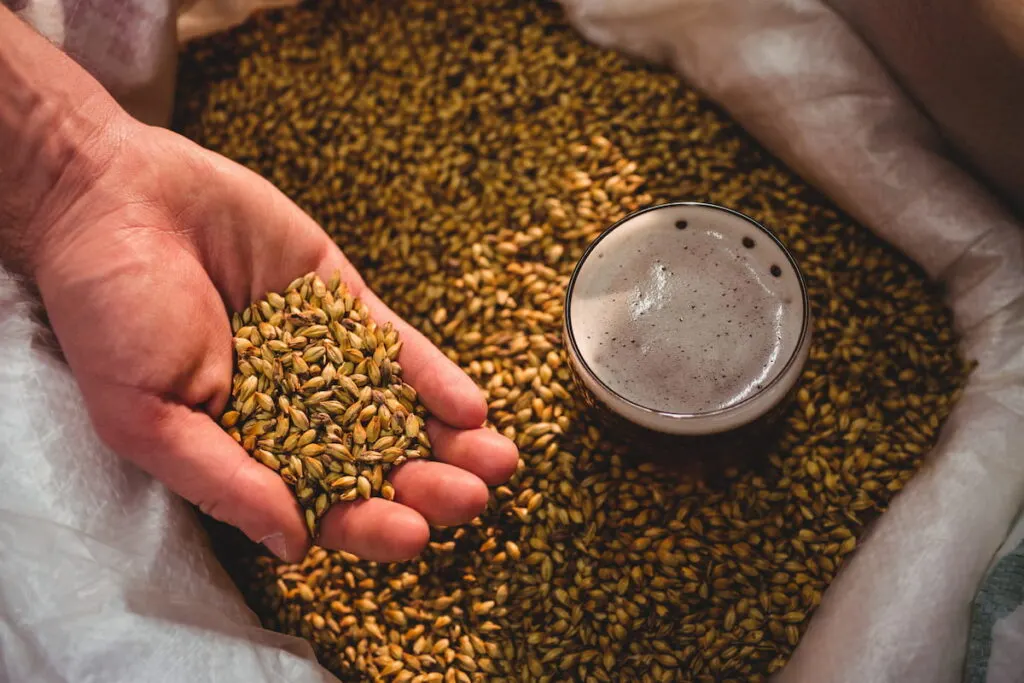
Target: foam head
x: 688, y: 310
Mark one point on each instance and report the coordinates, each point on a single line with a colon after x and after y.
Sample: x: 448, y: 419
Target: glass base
x: 708, y: 457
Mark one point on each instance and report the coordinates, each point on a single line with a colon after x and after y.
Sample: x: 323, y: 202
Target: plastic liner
x: 105, y: 576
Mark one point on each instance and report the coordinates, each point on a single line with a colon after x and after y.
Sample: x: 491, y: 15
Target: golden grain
x: 319, y: 445
x: 464, y: 155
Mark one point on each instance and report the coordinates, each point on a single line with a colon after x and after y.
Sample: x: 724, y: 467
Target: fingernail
x: 275, y: 543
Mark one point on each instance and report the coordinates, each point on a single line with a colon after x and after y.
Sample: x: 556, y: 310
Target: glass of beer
x: 687, y: 322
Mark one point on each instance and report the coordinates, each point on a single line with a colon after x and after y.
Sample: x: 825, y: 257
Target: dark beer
x: 687, y: 320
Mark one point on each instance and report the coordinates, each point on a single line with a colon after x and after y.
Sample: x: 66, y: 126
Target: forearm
x: 55, y: 135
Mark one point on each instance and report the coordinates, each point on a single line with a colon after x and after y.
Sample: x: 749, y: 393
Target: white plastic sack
x: 200, y: 18
x: 997, y: 624
x: 130, y: 46
x: 104, y: 576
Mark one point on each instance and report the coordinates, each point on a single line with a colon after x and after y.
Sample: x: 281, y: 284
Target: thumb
x: 187, y: 451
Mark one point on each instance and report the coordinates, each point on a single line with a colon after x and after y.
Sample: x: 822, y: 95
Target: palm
x: 143, y: 321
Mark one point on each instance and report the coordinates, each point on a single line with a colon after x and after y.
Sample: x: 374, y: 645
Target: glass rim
x: 801, y: 340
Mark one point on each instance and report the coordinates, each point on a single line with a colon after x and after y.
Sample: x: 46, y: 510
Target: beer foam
x: 686, y: 309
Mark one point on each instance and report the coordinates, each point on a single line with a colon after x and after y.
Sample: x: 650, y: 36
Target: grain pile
x: 463, y: 155
x: 318, y: 396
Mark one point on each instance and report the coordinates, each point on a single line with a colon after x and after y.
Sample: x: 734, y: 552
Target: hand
x: 138, y: 272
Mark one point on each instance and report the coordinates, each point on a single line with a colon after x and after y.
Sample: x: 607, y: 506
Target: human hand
x: 138, y: 269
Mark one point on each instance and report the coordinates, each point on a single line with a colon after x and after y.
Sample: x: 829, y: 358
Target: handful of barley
x: 318, y: 396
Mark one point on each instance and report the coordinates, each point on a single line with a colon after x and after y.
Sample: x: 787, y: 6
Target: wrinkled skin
x: 140, y: 243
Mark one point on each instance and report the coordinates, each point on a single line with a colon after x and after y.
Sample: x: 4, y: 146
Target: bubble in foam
x: 703, y: 309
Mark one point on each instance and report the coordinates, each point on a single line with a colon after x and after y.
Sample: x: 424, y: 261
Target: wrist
x: 58, y: 130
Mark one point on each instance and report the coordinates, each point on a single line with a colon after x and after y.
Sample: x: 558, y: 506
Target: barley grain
x: 464, y: 155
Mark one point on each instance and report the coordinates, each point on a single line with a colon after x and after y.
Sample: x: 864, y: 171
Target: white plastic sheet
x: 200, y: 18
x: 105, y: 577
